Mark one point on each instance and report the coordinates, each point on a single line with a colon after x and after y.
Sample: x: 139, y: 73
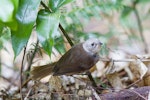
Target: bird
x: 80, y: 58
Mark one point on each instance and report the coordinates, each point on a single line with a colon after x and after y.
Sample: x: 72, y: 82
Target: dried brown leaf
x: 138, y: 68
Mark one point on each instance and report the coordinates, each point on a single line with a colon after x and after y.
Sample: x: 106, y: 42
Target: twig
x: 137, y: 81
x: 21, y: 71
x: 24, y: 84
x: 124, y: 60
x: 29, y: 66
x: 66, y: 35
x: 139, y: 25
x: 32, y: 57
x: 26, y: 98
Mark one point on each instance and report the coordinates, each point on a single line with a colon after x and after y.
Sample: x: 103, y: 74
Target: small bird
x: 79, y: 58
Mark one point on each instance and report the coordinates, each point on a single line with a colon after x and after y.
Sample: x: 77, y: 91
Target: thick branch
x: 141, y: 93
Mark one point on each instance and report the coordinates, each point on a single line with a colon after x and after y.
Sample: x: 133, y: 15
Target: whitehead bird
x: 79, y: 58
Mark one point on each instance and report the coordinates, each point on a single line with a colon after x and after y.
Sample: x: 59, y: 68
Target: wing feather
x: 74, y: 61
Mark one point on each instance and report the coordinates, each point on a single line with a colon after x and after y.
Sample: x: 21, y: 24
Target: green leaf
x: 59, y: 44
x: 56, y: 4
x: 8, y: 10
x: 26, y: 17
x: 126, y: 11
x: 47, y: 24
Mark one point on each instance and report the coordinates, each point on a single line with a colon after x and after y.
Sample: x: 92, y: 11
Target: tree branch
x: 140, y: 26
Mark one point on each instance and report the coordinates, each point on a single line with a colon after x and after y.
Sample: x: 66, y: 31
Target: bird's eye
x: 92, y: 44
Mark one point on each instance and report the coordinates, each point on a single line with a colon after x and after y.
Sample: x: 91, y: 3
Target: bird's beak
x: 100, y: 43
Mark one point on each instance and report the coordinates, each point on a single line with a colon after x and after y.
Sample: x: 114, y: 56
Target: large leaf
x: 26, y: 17
x: 47, y: 24
x: 56, y: 4
x: 8, y: 9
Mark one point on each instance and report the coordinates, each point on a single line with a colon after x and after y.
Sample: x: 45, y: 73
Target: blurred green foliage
x: 8, y: 10
x: 4, y: 37
x: 20, y: 17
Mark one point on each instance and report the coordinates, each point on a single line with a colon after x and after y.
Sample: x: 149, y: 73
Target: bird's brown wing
x: 74, y: 61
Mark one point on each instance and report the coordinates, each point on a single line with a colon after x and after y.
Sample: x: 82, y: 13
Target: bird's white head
x: 92, y: 45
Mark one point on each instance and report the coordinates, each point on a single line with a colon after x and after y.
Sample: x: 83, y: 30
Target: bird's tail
x: 39, y: 72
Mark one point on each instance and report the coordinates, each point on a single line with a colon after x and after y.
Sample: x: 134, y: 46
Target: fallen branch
x: 126, y: 94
